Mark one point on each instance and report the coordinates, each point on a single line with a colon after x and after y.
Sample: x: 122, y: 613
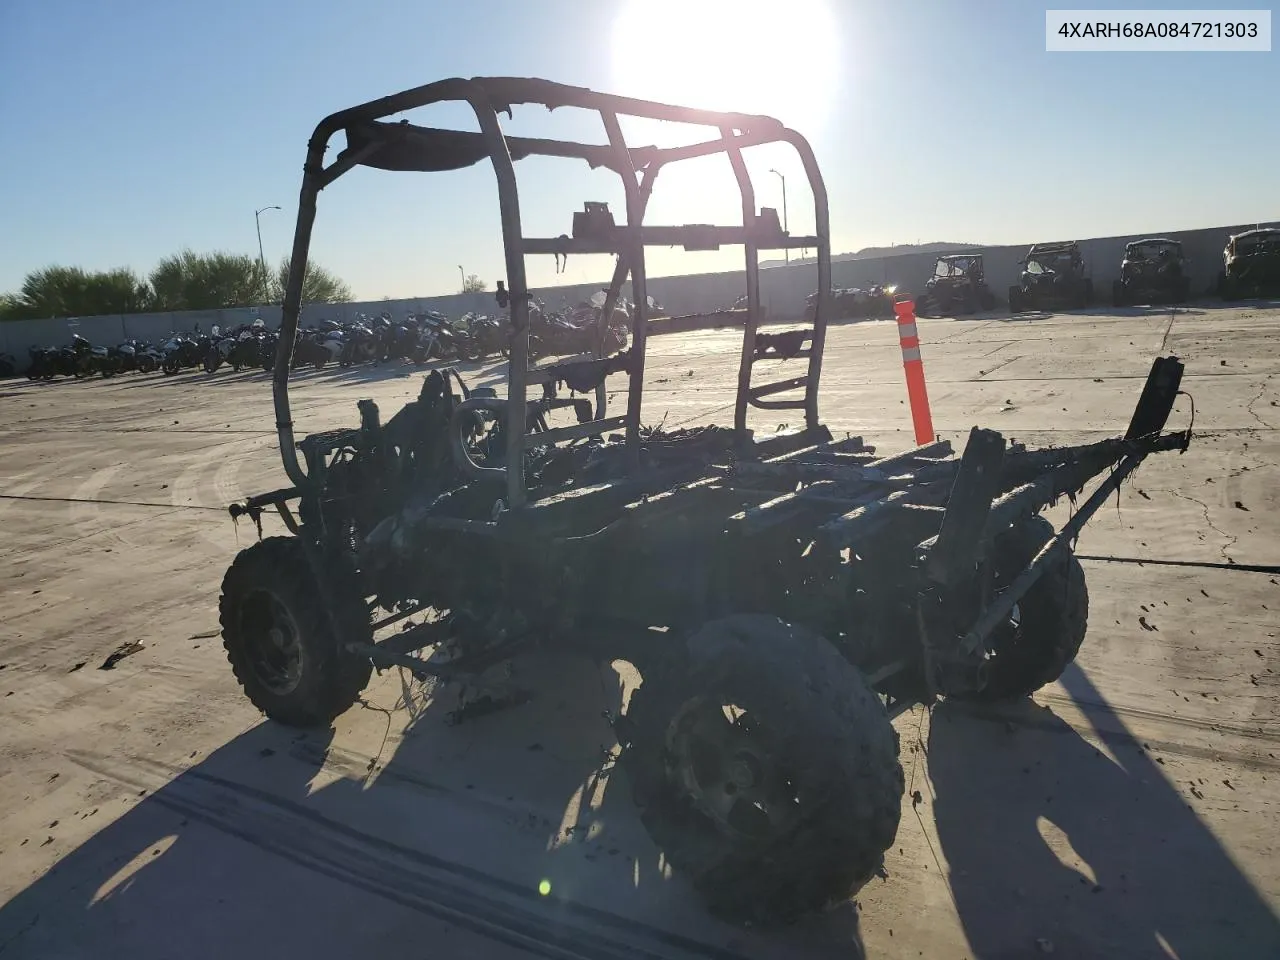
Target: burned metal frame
x: 402, y: 146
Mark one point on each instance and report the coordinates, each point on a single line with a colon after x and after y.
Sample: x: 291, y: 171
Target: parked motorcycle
x: 485, y: 332
x: 183, y: 351
x: 134, y: 355
x: 43, y: 363
x: 319, y: 345
x: 360, y: 344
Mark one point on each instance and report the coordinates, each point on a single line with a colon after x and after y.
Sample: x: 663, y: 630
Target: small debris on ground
x: 1240, y: 506
x: 916, y: 799
x: 125, y: 650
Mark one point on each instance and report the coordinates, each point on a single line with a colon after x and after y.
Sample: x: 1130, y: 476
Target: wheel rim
x: 725, y: 763
x: 273, y: 651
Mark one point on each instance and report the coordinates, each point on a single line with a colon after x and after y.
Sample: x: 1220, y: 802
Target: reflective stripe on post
x: 913, y: 366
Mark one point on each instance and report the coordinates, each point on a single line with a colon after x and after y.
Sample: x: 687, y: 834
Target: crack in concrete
x: 1231, y: 540
x: 1249, y: 406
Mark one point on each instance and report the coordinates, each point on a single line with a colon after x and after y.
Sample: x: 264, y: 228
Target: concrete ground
x: 147, y: 811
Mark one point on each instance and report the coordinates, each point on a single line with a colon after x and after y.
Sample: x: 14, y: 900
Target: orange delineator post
x: 913, y: 366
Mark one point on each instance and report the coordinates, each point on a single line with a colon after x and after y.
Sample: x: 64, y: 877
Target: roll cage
x: 401, y: 146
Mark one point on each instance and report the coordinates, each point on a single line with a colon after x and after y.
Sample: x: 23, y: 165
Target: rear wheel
x: 1015, y: 300
x: 765, y: 769
x: 1118, y: 297
x: 280, y: 638
x: 1048, y: 625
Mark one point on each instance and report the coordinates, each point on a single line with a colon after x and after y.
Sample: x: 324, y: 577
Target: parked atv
x: 783, y: 597
x: 1153, y: 271
x: 958, y: 287
x: 1251, y: 264
x: 1053, y: 275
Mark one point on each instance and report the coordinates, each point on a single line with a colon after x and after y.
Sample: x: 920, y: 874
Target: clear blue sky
x: 135, y: 128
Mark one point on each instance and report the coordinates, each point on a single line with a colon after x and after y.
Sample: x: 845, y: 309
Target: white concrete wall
x: 783, y: 291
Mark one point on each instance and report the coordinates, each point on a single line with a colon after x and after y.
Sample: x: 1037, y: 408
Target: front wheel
x: 280, y: 638
x: 1048, y: 624
x: 765, y: 769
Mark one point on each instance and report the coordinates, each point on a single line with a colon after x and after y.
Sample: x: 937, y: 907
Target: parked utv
x: 1053, y: 276
x: 855, y: 303
x: 783, y: 598
x: 958, y: 287
x: 1251, y: 264
x: 1153, y: 271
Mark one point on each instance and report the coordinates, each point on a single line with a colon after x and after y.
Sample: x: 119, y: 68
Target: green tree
x: 473, y: 284
x: 58, y: 291
x: 318, y: 284
x: 208, y: 281
x: 12, y: 307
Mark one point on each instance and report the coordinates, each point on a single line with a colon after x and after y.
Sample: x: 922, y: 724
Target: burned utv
x: 784, y: 598
x: 1251, y: 264
x: 1153, y: 271
x: 958, y: 287
x: 1053, y: 276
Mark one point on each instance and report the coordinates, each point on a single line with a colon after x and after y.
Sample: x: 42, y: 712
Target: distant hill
x: 891, y: 251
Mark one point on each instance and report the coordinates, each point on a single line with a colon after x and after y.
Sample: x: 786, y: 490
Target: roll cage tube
x: 401, y: 146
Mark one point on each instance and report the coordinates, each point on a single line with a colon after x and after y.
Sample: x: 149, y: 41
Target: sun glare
x: 752, y: 56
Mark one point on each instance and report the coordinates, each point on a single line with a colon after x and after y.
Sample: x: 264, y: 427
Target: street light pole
x: 463, y: 275
x: 785, y: 228
x: 262, y: 260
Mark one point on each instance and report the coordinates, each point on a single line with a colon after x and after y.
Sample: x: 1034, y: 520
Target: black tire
x: 1052, y: 617
x: 212, y: 360
x: 1015, y: 300
x: 272, y: 576
x: 834, y: 738
x: 1118, y: 293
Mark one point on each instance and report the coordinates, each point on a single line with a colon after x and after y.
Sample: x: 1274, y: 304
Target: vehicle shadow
x: 1052, y: 843
x: 498, y: 836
